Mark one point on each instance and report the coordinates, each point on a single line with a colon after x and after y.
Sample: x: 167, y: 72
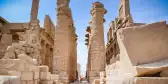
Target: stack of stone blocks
x: 25, y: 72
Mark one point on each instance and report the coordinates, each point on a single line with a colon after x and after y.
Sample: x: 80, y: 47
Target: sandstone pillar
x: 97, y: 45
x: 124, y: 11
x: 62, y: 43
x: 34, y: 10
x: 33, y: 32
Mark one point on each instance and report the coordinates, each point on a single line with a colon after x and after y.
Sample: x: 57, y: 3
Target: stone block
x: 96, y: 81
x: 14, y: 73
x: 6, y: 39
x: 27, y: 76
x: 36, y: 75
x: 45, y: 75
x: 46, y: 82
x: 133, y: 42
x: 30, y: 82
x: 44, y: 68
x: 31, y: 67
x: 4, y: 79
x: 151, y: 80
x: 54, y: 77
x: 36, y: 81
x: 56, y: 82
x: 164, y: 73
x: 3, y: 72
x: 23, y: 82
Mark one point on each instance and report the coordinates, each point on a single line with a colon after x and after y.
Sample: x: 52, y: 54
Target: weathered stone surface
x: 43, y: 68
x: 3, y: 72
x: 164, y: 73
x: 4, y: 79
x: 6, y: 39
x: 65, y: 59
x: 133, y: 51
x: 151, y: 80
x: 96, y: 42
x: 45, y: 75
x: 27, y: 76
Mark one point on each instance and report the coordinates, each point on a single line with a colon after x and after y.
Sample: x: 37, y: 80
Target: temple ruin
x: 135, y: 53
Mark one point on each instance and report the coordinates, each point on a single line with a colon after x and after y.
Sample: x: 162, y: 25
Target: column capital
x: 97, y: 6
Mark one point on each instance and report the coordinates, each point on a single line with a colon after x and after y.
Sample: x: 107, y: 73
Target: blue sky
x: 143, y: 11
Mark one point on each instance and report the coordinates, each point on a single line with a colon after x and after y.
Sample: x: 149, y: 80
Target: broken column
x: 97, y: 46
x: 34, y: 10
x: 33, y: 31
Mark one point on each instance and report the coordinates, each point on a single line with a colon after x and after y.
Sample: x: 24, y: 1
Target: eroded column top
x: 97, y: 6
x: 62, y: 2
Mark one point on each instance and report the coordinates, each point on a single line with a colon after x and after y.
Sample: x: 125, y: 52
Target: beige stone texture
x: 46, y: 82
x: 34, y: 10
x: 3, y: 72
x: 97, y: 46
x: 151, y: 80
x: 164, y: 73
x: 65, y: 59
x: 152, y: 35
x: 6, y: 39
x: 96, y: 81
x: 45, y: 75
x: 14, y: 73
x: 43, y: 68
x: 27, y: 76
x: 36, y: 75
x: 15, y: 27
x: 5, y: 79
x: 47, y: 34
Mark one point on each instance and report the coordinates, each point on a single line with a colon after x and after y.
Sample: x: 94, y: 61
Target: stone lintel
x: 15, y: 27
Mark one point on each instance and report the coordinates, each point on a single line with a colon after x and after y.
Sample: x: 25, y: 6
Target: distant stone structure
x: 65, y: 45
x: 96, y: 44
x: 47, y: 34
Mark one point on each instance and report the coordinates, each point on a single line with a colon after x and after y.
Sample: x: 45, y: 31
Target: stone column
x: 33, y: 32
x: 97, y: 45
x: 34, y: 10
x: 62, y: 44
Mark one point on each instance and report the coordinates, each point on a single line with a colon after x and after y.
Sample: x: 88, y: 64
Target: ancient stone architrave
x: 97, y: 46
